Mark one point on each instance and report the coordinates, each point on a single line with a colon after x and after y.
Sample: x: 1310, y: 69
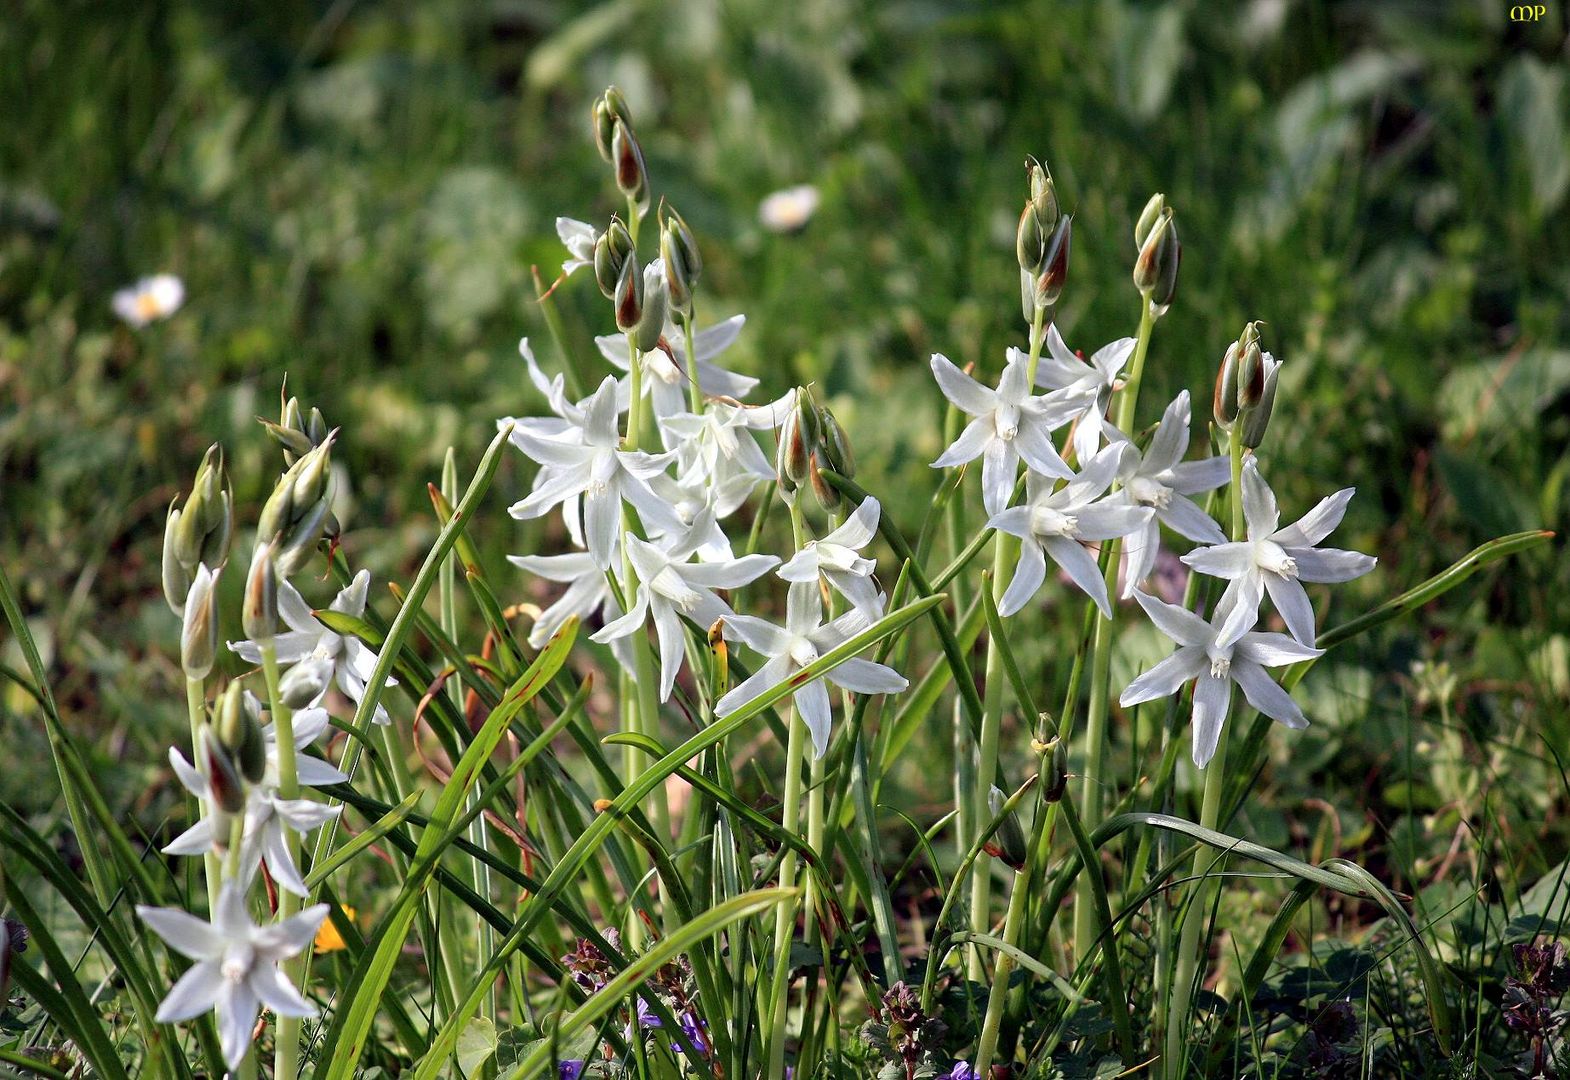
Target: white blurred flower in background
x: 149, y: 300
x: 789, y: 209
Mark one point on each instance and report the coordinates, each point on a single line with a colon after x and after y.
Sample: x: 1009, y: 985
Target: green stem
x: 286, y: 1059
x: 196, y: 706
x: 694, y: 390
x: 1206, y: 861
x: 785, y: 912
x: 1005, y: 966
x: 1092, y: 785
x: 1004, y: 549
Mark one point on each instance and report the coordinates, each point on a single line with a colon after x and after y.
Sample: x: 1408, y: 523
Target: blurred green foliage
x: 354, y: 194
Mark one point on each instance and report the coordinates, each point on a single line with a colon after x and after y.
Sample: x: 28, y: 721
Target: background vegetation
x: 354, y: 195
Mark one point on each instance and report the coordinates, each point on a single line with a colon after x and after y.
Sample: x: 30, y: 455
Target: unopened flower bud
x: 1155, y: 270
x: 1250, y: 377
x: 683, y: 264
x: 835, y: 446
x: 632, y: 176
x: 1254, y: 420
x: 176, y: 578
x: 798, y: 439
x: 1224, y: 403
x: 1154, y: 210
x: 1043, y: 195
x: 629, y: 296
x: 1054, y: 770
x: 651, y: 322
x: 1054, y: 273
x: 828, y: 495
x: 304, y: 684
x: 240, y: 734
x: 611, y: 251
x: 293, y: 440
x: 259, y: 615
x: 206, y: 521
x: 608, y: 109
x: 223, y: 779
x: 199, y: 632
x: 1030, y: 242
x: 1008, y: 843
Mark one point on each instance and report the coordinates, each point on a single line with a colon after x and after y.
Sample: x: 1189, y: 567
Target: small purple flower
x: 695, y: 1038
x: 571, y: 1070
x: 962, y: 1070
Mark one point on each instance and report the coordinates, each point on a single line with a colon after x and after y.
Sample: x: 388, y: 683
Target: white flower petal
x: 1330, y: 565
x: 183, y: 932
x: 1212, y: 698
x: 1318, y: 523
x: 1293, y: 604
x: 965, y: 392
x: 1165, y: 678
x: 1266, y: 695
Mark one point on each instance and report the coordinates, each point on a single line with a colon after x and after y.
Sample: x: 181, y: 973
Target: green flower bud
x: 295, y: 548
x: 313, y: 474
x: 1255, y: 419
x: 629, y: 296
x: 651, y: 323
x: 305, y: 683
x: 259, y: 615
x: 610, y: 108
x: 611, y: 251
x: 240, y: 734
x: 1054, y: 767
x: 1224, y: 403
x: 1008, y: 843
x: 798, y: 441
x: 176, y: 578
x: 294, y: 441
x: 1156, y: 267
x: 1030, y: 243
x: 1154, y: 210
x: 828, y: 495
x: 223, y: 779
x: 683, y: 242
x: 835, y: 448
x: 1054, y: 272
x: 206, y: 521
x: 632, y: 176
x: 1250, y: 377
x: 682, y: 262
x: 1043, y: 196
x: 199, y: 631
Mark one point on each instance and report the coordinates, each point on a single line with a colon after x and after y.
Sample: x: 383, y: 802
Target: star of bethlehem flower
x: 1057, y: 523
x: 665, y: 375
x: 267, y: 814
x: 1214, y: 664
x: 718, y: 451
x: 1061, y: 370
x: 1009, y: 424
x: 789, y: 209
x: 588, y: 591
x: 789, y: 648
x: 579, y: 238
x: 149, y: 300
x: 587, y: 460
x: 1278, y: 560
x: 346, y: 661
x: 1161, y: 480
x: 236, y: 970
x: 669, y: 587
x: 835, y: 557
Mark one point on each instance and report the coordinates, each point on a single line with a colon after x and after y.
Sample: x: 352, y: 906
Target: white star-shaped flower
x: 669, y: 587
x: 1009, y: 424
x: 717, y: 450
x: 1204, y: 656
x: 346, y: 661
x: 580, y: 237
x: 804, y: 638
x: 1056, y: 522
x: 236, y: 970
x: 1277, y: 560
x: 588, y: 461
x: 1161, y: 480
x: 836, y: 557
x: 665, y: 375
x: 149, y: 300
x: 1094, y: 380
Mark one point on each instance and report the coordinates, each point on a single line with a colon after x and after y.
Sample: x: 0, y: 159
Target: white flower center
x: 1005, y: 421
x: 237, y: 963
x: 671, y: 585
x: 1271, y: 556
x: 1147, y: 492
x: 1220, y: 667
x: 1045, y: 521
x: 803, y: 652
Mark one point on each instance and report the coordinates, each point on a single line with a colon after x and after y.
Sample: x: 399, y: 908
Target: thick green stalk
x: 1092, y: 785
x: 1004, y: 548
x: 196, y: 706
x: 1206, y: 862
x: 694, y: 390
x: 1012, y: 923
x: 286, y: 1053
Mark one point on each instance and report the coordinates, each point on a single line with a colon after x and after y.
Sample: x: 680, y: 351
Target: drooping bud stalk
x: 1008, y: 843
x: 239, y: 732
x: 199, y: 631
x: 259, y: 614
x: 651, y: 322
x: 629, y: 296
x: 632, y: 175
x: 1054, y: 272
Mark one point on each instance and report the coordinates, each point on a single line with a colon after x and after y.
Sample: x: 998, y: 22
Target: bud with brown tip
x: 629, y: 296
x: 611, y: 252
x: 1156, y: 268
x: 199, y: 629
x: 798, y: 441
x: 259, y: 615
x: 224, y: 782
x: 1054, y: 272
x: 632, y: 175
x: 1008, y: 843
x: 239, y: 732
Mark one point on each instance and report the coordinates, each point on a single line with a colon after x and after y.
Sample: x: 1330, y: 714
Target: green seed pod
x: 240, y: 734
x: 1008, y: 843
x: 1224, y: 403
x: 223, y: 779
x: 199, y: 629
x: 259, y: 615
x: 629, y: 296
x: 1154, y: 210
